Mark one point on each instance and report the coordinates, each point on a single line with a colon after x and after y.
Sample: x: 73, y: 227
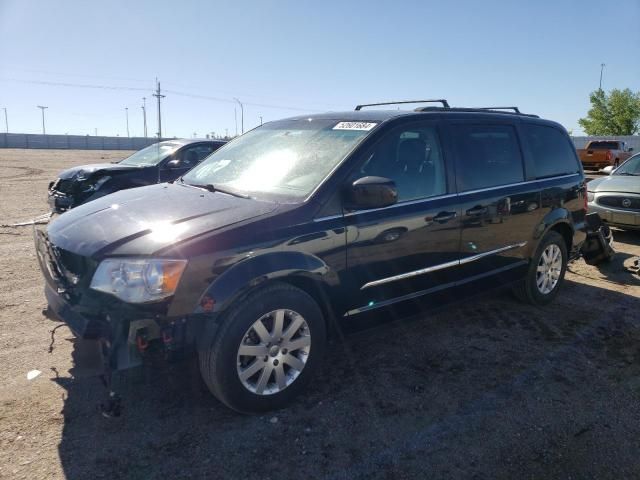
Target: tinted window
x: 412, y: 158
x: 488, y: 156
x: 193, y: 155
x: 553, y: 153
x: 603, y: 146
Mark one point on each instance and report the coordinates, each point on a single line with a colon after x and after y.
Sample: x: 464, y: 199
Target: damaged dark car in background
x: 157, y: 163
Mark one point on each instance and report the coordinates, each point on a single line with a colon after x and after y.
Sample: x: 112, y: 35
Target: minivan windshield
x: 630, y: 167
x: 283, y: 160
x: 151, y: 155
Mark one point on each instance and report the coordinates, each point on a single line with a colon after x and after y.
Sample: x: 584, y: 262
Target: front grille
x: 620, y: 201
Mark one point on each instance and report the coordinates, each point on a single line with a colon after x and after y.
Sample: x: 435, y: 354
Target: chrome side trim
x: 442, y: 266
x: 479, y: 190
x: 391, y: 301
x: 415, y: 273
x: 402, y: 204
x: 473, y: 258
x: 329, y: 217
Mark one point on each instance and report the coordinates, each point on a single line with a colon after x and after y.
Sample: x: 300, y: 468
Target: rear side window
x: 553, y: 153
x: 488, y: 156
x: 603, y: 146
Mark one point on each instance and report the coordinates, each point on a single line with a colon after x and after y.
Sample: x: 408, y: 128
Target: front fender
x: 253, y: 271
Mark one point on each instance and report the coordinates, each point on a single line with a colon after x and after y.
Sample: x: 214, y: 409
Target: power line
x: 74, y: 85
x: 226, y: 100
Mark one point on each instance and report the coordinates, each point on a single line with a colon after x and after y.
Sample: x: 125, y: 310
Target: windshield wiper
x: 215, y: 188
x: 628, y: 174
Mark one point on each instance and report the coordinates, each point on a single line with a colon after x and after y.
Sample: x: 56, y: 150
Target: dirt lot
x: 485, y: 389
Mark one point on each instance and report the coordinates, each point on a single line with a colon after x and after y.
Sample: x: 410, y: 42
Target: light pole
x: 144, y: 115
x: 241, y: 114
x: 602, y: 65
x: 44, y: 132
x: 6, y: 121
x: 126, y: 112
x: 260, y: 120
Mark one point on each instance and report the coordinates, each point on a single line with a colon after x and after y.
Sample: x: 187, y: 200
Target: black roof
x: 384, y: 115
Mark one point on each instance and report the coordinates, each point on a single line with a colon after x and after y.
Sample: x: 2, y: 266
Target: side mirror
x: 630, y: 149
x: 371, y: 192
x: 176, y: 163
x: 607, y: 170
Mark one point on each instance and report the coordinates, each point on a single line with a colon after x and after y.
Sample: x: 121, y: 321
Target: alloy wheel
x: 549, y: 269
x: 273, y: 352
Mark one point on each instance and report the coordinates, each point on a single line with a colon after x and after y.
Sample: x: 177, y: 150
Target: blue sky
x: 542, y: 55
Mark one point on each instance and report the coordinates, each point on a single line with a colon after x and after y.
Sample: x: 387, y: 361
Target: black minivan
x: 252, y: 255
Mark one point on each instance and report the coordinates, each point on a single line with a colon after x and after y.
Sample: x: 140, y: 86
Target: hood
x: 88, y: 170
x: 615, y: 183
x: 142, y: 221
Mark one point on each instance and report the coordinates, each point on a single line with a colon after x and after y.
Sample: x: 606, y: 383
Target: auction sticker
x: 354, y: 126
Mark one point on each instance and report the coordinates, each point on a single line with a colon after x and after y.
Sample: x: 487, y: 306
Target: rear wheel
x: 266, y: 350
x: 546, y: 271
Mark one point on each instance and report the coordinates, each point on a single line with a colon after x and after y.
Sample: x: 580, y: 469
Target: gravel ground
x: 485, y: 389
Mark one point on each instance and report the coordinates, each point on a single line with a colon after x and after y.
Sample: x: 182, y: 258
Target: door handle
x: 444, y: 217
x: 477, y: 211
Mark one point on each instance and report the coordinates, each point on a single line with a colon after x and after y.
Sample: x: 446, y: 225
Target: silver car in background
x: 616, y: 198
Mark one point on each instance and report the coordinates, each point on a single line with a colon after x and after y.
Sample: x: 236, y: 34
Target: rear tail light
x: 609, y: 156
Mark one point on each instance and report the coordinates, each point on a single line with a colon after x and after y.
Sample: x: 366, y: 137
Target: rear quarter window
x: 487, y: 156
x: 552, y: 152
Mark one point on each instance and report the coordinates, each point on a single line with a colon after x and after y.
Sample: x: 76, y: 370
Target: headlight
x: 590, y: 196
x: 138, y: 280
x: 95, y: 186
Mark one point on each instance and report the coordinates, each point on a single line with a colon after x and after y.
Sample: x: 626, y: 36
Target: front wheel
x: 546, y: 271
x: 267, y: 348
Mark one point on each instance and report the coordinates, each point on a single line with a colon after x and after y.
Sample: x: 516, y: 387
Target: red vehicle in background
x: 601, y: 153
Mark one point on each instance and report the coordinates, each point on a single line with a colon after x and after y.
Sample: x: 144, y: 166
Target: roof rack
x: 499, y: 110
x: 444, y: 103
x: 515, y: 109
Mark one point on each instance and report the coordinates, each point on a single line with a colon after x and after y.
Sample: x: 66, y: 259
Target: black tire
x: 527, y: 289
x: 219, y: 359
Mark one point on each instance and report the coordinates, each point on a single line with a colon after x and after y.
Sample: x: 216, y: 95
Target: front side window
x: 631, y: 167
x: 412, y: 158
x: 151, y: 155
x: 552, y: 152
x: 283, y: 161
x: 487, y: 156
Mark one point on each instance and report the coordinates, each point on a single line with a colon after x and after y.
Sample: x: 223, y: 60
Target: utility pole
x: 144, y: 115
x: 241, y: 114
x: 44, y: 132
x: 6, y: 121
x: 159, y: 96
x: 126, y: 111
x: 602, y: 65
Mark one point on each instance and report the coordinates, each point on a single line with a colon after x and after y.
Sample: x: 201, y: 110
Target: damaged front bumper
x: 122, y: 334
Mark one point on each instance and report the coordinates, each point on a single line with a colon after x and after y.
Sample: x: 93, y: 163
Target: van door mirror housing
x: 371, y: 192
x: 173, y: 164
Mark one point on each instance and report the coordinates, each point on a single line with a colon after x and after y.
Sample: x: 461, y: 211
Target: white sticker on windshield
x: 354, y: 126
